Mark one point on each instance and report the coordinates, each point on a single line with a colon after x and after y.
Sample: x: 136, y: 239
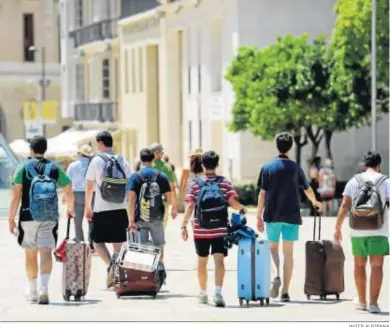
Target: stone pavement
x: 177, y: 301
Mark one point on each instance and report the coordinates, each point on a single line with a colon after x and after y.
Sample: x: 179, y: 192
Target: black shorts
x: 109, y: 226
x: 216, y: 245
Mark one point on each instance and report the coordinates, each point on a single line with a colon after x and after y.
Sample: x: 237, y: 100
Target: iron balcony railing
x: 99, y: 31
x: 103, y: 112
x: 134, y: 7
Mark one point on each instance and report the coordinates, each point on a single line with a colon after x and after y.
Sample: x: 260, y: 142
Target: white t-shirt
x: 351, y: 189
x: 94, y: 173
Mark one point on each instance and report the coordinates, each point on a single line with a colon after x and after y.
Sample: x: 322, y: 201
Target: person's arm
x: 65, y: 183
x: 90, y: 182
x: 131, y: 206
x: 173, y: 199
x: 14, y: 205
x: 184, y: 179
x: 308, y: 190
x: 346, y: 205
x: 260, y: 204
x: 232, y: 197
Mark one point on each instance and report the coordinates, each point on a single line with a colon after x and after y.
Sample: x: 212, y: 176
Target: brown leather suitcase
x: 131, y: 282
x: 136, y: 270
x: 324, y: 266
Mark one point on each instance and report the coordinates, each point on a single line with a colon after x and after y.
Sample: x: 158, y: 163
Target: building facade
x: 90, y: 63
x: 179, y: 95
x: 35, y: 32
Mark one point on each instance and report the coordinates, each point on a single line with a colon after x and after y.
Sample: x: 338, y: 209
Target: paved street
x: 177, y: 301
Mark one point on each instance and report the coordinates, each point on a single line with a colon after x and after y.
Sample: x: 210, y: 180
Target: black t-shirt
x: 21, y: 178
x: 282, y: 179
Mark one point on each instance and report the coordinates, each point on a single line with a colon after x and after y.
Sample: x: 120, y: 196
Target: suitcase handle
x: 315, y: 225
x: 67, y: 229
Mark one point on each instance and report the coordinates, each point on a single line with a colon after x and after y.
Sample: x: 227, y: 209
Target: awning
x: 21, y: 148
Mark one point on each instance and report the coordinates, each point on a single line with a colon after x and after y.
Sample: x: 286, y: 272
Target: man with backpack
x: 366, y: 196
x: 146, y: 206
x: 35, y: 187
x: 107, y: 175
x: 210, y: 196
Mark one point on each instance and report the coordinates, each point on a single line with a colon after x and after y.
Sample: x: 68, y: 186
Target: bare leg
x: 288, y: 264
x: 202, y: 273
x: 360, y: 278
x: 31, y: 264
x: 102, y: 251
x: 276, y: 260
x: 376, y: 277
x: 219, y: 269
x: 45, y: 266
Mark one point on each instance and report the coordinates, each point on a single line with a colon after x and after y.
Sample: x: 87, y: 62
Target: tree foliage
x: 283, y: 87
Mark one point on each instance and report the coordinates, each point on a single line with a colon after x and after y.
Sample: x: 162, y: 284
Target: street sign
x: 45, y: 112
x: 33, y: 129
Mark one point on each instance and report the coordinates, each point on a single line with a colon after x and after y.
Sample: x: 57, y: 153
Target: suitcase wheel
x: 308, y: 297
x: 323, y: 297
x: 241, y: 301
x: 247, y: 303
x: 267, y: 300
x: 337, y: 296
x: 118, y: 296
x: 261, y: 302
x: 154, y: 295
x: 67, y: 295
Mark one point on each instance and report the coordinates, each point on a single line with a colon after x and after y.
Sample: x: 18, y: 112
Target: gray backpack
x: 367, y: 206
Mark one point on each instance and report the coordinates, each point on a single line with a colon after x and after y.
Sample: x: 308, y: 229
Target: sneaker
x: 203, y: 298
x: 374, y: 308
x: 275, y: 288
x: 43, y: 297
x: 219, y: 301
x: 285, y: 297
x: 361, y: 306
x: 31, y: 295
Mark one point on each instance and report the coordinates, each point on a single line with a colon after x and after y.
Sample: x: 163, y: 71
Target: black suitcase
x: 324, y: 266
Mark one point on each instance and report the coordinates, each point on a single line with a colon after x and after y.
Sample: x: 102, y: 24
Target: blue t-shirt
x: 134, y: 184
x: 283, y: 180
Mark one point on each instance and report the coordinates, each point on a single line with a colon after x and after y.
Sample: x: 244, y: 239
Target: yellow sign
x: 45, y: 111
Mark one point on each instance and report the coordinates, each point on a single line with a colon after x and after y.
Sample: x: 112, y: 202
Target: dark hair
x: 210, y: 160
x: 196, y: 165
x: 372, y: 159
x: 138, y: 165
x: 284, y: 142
x: 166, y: 158
x: 38, y: 144
x: 106, y: 138
x: 146, y: 155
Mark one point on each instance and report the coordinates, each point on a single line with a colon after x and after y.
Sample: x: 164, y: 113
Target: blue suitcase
x: 254, y: 271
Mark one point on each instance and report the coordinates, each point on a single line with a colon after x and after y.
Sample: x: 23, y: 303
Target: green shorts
x: 367, y: 246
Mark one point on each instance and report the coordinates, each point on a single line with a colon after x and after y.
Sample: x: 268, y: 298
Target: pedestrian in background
x: 76, y: 171
x: 168, y: 161
x: 327, y: 186
x: 165, y: 168
x: 195, y: 171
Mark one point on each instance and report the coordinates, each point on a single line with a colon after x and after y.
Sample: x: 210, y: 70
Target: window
x: 80, y: 91
x: 28, y: 30
x: 79, y: 13
x: 141, y: 69
x: 106, y: 79
x: 126, y: 71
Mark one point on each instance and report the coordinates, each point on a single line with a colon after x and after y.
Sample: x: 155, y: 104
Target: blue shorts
x: 290, y: 232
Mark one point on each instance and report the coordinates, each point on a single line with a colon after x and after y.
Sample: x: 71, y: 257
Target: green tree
x: 282, y: 88
x: 350, y: 57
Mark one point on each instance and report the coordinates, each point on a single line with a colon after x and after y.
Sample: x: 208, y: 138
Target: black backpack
x: 150, y: 200
x: 114, y: 181
x: 367, y: 206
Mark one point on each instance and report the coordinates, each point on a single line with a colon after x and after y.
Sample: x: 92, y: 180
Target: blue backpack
x: 211, y: 207
x: 43, y: 193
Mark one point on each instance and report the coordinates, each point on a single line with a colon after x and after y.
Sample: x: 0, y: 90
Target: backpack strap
x: 199, y: 181
x: 380, y: 181
x: 30, y: 167
x: 47, y: 170
x: 360, y: 180
x: 114, y: 161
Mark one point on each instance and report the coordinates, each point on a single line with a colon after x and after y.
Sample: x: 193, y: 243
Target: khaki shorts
x: 38, y: 234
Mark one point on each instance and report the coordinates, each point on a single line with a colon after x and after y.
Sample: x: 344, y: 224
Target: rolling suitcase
x: 324, y: 266
x: 254, y: 271
x: 76, y: 268
x: 136, y: 270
